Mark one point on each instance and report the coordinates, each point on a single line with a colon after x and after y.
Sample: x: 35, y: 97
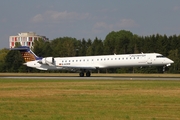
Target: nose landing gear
x: 164, y: 68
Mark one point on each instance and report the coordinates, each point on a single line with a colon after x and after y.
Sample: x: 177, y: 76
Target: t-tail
x: 27, y: 54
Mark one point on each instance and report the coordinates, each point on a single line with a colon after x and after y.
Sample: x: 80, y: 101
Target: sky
x: 88, y: 18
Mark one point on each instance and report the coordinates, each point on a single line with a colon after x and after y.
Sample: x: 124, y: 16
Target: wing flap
x: 79, y: 67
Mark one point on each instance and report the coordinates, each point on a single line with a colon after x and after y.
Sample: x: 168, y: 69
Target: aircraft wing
x: 68, y: 66
x: 79, y: 67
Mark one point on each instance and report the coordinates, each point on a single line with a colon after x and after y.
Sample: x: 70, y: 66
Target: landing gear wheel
x: 88, y: 74
x: 164, y: 68
x: 81, y: 74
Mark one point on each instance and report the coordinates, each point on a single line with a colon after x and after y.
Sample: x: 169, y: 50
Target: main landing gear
x: 88, y: 73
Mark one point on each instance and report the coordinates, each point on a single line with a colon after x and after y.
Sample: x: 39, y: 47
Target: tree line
x: 120, y: 42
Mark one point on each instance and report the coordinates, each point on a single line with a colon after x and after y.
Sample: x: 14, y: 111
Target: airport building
x: 25, y: 39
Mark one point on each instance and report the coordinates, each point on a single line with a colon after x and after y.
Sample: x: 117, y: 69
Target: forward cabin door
x: 149, y: 59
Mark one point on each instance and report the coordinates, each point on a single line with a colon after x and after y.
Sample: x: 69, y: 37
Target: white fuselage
x: 103, y: 61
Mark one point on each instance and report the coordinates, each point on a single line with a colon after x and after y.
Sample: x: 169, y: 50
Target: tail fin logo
x: 27, y: 54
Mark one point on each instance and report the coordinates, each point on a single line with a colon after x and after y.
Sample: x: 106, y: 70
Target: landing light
x: 168, y: 65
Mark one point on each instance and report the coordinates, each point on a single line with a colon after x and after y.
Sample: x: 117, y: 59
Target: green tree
x: 89, y: 50
x: 83, y: 47
x: 64, y: 47
x: 97, y: 47
x: 38, y: 47
x: 3, y: 53
x: 17, y: 44
x: 13, y: 61
x: 174, y: 55
x: 117, y: 42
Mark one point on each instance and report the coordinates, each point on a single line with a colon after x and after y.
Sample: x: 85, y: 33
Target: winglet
x: 27, y: 54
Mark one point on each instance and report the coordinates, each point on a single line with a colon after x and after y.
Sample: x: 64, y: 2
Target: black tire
x: 88, y: 74
x: 81, y: 74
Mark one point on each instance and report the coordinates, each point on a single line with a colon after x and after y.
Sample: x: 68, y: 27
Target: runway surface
x: 97, y: 78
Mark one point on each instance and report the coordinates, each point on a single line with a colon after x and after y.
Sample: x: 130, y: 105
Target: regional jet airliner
x: 84, y: 64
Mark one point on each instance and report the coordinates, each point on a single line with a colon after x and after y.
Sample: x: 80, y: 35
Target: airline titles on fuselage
x: 64, y: 64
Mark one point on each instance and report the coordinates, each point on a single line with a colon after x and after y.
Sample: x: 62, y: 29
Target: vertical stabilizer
x: 27, y: 54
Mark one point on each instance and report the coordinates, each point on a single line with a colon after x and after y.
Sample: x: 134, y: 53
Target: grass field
x: 30, y: 99
x: 93, y: 74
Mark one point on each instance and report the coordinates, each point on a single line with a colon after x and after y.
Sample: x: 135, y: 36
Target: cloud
x: 3, y: 20
x: 37, y: 18
x: 56, y: 16
x: 101, y: 26
x: 107, y: 10
x: 126, y: 23
x: 122, y: 24
x: 176, y: 8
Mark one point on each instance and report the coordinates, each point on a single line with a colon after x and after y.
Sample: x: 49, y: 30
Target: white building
x: 25, y: 39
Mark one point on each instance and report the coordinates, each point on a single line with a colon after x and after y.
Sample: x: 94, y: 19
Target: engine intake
x: 48, y: 60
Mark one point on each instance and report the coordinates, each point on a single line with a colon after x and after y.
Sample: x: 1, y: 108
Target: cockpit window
x: 160, y: 56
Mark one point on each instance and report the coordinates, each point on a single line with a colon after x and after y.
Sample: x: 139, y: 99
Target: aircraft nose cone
x: 171, y: 61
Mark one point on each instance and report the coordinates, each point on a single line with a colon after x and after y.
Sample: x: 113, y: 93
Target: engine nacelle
x: 48, y: 60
